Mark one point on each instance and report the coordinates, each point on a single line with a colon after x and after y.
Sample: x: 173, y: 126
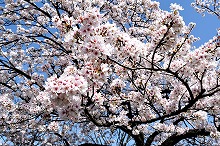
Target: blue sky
x: 206, y: 27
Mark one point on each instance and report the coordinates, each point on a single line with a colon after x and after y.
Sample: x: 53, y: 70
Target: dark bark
x: 150, y: 139
x: 139, y: 139
x: 174, y: 139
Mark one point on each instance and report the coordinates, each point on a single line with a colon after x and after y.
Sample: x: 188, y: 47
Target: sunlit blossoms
x: 7, y: 104
x: 64, y: 92
x: 126, y: 71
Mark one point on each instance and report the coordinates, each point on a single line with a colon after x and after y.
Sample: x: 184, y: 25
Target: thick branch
x: 174, y: 139
x: 139, y: 139
x: 150, y: 139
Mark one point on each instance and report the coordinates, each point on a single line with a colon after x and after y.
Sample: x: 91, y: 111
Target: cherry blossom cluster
x: 64, y: 92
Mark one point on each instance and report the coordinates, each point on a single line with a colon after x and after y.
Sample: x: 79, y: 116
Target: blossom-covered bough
x: 210, y: 6
x: 104, y: 72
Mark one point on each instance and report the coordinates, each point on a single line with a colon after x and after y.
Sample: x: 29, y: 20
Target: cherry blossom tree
x: 80, y: 72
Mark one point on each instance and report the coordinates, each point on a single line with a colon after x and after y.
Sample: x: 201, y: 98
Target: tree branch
x: 174, y: 139
x: 64, y: 140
